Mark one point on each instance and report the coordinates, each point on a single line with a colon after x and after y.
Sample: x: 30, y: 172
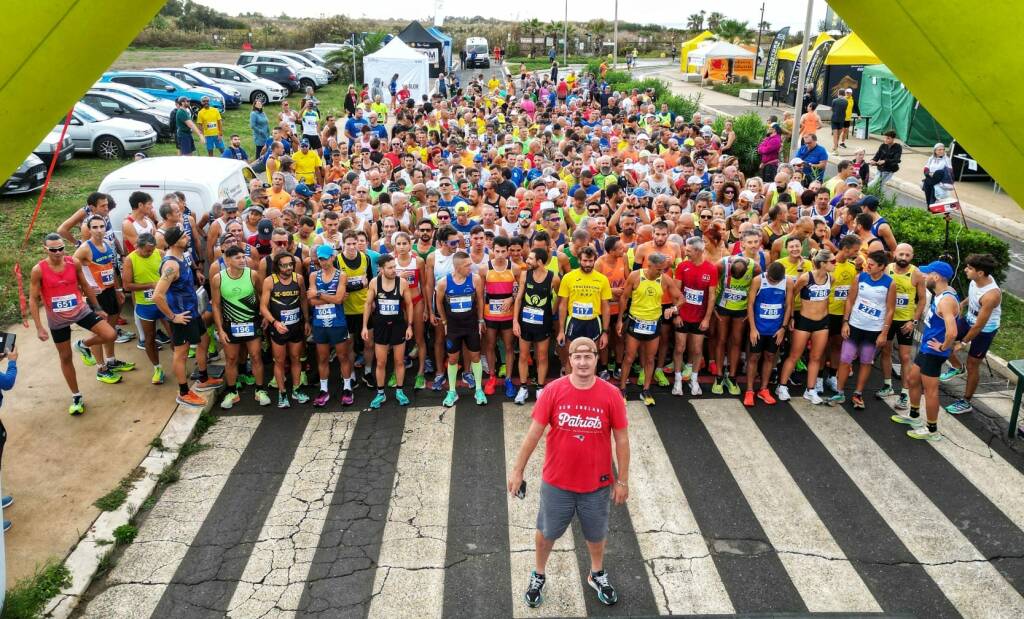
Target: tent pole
x: 801, y: 64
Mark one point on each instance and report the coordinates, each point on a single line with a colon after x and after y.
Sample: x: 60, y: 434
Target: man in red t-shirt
x: 583, y: 413
x: 698, y: 280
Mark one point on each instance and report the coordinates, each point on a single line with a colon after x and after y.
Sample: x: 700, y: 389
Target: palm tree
x: 732, y: 30
x: 765, y: 26
x: 714, y: 19
x: 599, y: 28
x: 532, y: 27
x: 553, y: 29
x: 695, y: 22
x: 341, y: 60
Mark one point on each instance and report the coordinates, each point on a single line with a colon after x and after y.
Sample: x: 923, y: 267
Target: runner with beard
x: 842, y: 277
x: 437, y: 267
x: 585, y: 310
x: 910, y: 295
x: 698, y: 279
x: 660, y: 244
x: 236, y: 306
x: 613, y: 266
x: 534, y: 322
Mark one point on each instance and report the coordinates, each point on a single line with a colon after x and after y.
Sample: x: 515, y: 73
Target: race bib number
x: 147, y: 294
x: 645, y: 327
x: 902, y: 300
x: 869, y: 309
x: 356, y: 282
x: 461, y: 303
x: 290, y: 316
x: 841, y: 292
x: 243, y: 329
x: 533, y: 315
x: 733, y: 295
x: 107, y: 277
x: 583, y: 311
x: 64, y: 303
x: 497, y: 306
x: 388, y: 307
x: 211, y: 125
x: 325, y: 313
x: 694, y: 296
x: 770, y: 311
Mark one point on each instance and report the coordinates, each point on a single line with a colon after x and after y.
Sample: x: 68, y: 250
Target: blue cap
x: 303, y: 190
x: 323, y: 252
x: 869, y: 201
x: 640, y: 192
x: 940, y: 268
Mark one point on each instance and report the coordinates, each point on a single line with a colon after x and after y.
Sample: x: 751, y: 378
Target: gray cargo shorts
x: 557, y: 508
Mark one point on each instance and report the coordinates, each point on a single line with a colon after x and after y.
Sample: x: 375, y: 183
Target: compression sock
x: 478, y: 373
x: 933, y: 427
x: 453, y: 375
x: 915, y: 412
x: 182, y: 390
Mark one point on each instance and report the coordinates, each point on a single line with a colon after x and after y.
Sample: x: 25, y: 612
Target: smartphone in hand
x: 521, y: 493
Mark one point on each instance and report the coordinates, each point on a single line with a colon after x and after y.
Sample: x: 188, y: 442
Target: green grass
x: 734, y: 89
x: 125, y: 534
x: 1009, y: 343
x: 27, y: 598
x: 116, y: 497
x: 74, y: 180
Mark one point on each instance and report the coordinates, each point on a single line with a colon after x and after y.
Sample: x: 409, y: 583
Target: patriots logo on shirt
x: 578, y: 437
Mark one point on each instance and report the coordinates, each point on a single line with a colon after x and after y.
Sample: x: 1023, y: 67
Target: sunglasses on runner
x: 55, y: 250
x: 705, y: 216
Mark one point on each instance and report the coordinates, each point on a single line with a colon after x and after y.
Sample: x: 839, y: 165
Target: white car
x: 164, y: 105
x: 307, y: 76
x: 306, y: 62
x: 252, y: 87
x: 92, y: 131
x: 52, y: 146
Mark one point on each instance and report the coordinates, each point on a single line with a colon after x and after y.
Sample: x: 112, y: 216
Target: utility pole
x: 565, y: 37
x: 615, y: 38
x: 757, y: 51
x: 354, y: 80
x: 801, y: 65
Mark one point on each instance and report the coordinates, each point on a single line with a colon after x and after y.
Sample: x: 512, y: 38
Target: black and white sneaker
x: 534, y: 593
x: 598, y: 581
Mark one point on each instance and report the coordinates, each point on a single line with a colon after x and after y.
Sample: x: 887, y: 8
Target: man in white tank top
x: 976, y: 328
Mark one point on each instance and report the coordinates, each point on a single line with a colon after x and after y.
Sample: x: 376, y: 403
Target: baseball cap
x: 645, y: 153
x: 258, y: 209
x: 462, y: 207
x: 706, y: 130
x: 303, y: 190
x: 853, y: 180
x: 323, y: 252
x: 228, y: 204
x: 303, y: 142
x: 172, y: 235
x: 695, y: 180
x: 643, y: 136
x: 796, y: 161
x: 688, y: 142
x: 582, y: 344
x: 746, y: 194
x: 553, y: 193
x: 264, y: 229
x: 940, y: 268
x: 332, y: 188
x: 640, y: 192
x: 868, y: 201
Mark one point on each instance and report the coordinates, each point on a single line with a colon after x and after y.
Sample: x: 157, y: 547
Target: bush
x: 750, y: 130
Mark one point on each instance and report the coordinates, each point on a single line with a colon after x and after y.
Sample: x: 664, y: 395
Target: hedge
x: 750, y: 130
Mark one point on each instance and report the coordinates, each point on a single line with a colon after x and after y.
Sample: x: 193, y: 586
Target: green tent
x: 889, y: 104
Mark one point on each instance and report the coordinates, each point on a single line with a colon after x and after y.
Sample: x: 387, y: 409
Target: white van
x: 203, y: 180
x: 477, y: 53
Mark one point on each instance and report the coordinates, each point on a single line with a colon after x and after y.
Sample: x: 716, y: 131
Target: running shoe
x: 812, y: 396
x: 428, y: 366
x: 765, y: 396
x: 467, y: 377
x: 262, y: 397
x: 83, y: 350
x: 299, y: 396
x: 321, y: 399
x: 158, y: 376
x: 641, y: 376
x: 858, y: 401
x: 959, y: 407
x: 716, y: 387
x: 480, y: 397
x: 884, y: 392
x: 502, y: 370
x: 346, y: 397
x: 378, y: 399
x: 123, y: 337
x: 191, y: 398
x: 401, y: 398
x: 450, y: 398
x: 282, y: 400
x: 538, y: 392
x: 142, y: 345
x: 687, y: 372
x: 617, y: 373
x: 598, y: 581
x: 369, y: 380
x: 438, y: 383
x: 510, y: 389
x: 782, y: 392
x: 906, y: 419
x: 836, y: 400
x: 490, y: 385
x: 421, y: 382
x: 604, y: 375
x: 392, y: 380
x: 77, y: 406
x: 800, y: 365
x: 903, y: 403
x: 922, y: 433
x: 522, y: 395
x: 483, y: 364
x: 6, y: 502
x: 162, y: 338
x: 273, y: 383
x: 116, y: 365
x: 819, y: 385
x: 209, y: 384
x: 121, y: 321
x: 191, y: 352
x: 213, y: 356
x: 833, y: 384
x: 246, y: 379
x: 661, y: 379
x: 647, y: 398
x: 695, y: 387
x: 108, y: 377
x: 733, y: 388
x: 951, y: 373
x: 230, y: 399
x: 535, y: 592
x: 748, y: 398
x: 677, y: 386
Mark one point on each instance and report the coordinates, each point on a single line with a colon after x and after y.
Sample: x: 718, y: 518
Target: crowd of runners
x: 465, y: 241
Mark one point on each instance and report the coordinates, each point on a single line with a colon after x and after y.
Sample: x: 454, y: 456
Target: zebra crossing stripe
x: 563, y: 592
x: 679, y: 565
x: 279, y: 562
x: 141, y: 576
x: 410, y: 568
x: 815, y: 562
x: 966, y: 578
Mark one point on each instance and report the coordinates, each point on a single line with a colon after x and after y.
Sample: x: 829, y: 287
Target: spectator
x: 814, y: 157
x: 810, y: 122
x: 6, y: 384
x: 769, y: 150
x: 259, y: 124
x: 887, y: 158
x: 938, y: 169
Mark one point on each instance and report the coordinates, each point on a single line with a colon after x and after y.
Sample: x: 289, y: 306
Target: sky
x: 778, y: 13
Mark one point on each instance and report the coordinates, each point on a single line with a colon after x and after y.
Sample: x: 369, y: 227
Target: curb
x: 84, y: 559
x: 999, y: 366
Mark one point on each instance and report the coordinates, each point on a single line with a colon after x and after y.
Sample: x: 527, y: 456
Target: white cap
x: 695, y: 180
x: 553, y: 193
x: 547, y: 204
x: 643, y: 136
x: 746, y: 194
x: 796, y: 161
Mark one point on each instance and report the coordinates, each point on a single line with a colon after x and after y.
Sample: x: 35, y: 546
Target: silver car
x: 252, y: 87
x: 92, y: 131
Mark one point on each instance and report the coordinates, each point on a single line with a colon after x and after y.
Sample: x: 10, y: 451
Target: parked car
x: 232, y: 96
x: 165, y: 87
x: 52, y: 146
x: 162, y: 105
x: 252, y: 87
x: 203, y: 180
x: 277, y: 72
x: 29, y: 176
x: 116, y: 105
x: 306, y: 75
x: 306, y: 62
x: 92, y: 131
x: 319, y: 60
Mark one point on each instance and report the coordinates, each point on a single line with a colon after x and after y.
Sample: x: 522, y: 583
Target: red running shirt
x: 695, y: 281
x: 578, y: 452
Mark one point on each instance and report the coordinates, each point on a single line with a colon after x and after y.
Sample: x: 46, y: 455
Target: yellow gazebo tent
x: 790, y: 53
x: 689, y: 46
x: 843, y: 68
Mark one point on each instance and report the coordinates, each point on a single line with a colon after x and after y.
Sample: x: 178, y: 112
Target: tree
x: 765, y: 26
x: 342, y: 59
x: 532, y: 27
x: 695, y: 22
x: 553, y: 29
x: 599, y: 28
x: 173, y: 8
x: 732, y: 30
x: 714, y: 20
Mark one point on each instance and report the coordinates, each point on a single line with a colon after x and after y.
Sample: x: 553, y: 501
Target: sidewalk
x: 980, y: 203
x: 56, y: 465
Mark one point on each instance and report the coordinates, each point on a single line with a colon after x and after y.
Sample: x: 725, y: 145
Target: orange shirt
x: 279, y: 199
x: 809, y: 123
x: 616, y: 273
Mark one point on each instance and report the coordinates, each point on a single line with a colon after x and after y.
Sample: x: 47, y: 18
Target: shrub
x: 750, y: 130
x: 125, y: 534
x: 29, y: 597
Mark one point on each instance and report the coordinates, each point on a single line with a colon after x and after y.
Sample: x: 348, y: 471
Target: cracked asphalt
x: 403, y: 513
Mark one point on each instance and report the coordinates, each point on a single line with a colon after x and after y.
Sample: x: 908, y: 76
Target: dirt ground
x: 141, y: 59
